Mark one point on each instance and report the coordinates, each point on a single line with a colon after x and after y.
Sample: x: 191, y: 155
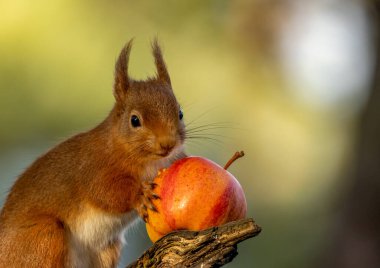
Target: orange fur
x: 71, y: 207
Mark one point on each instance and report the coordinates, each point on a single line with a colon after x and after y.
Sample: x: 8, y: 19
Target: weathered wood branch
x: 213, y: 247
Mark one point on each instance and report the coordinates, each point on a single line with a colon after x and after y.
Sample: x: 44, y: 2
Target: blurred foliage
x: 56, y: 76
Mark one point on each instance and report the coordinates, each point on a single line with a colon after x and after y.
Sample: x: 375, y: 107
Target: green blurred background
x: 287, y: 80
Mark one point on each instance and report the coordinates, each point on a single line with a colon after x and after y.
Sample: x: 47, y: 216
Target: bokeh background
x: 290, y: 82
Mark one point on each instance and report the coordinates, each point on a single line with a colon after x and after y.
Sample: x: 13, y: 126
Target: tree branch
x: 213, y: 247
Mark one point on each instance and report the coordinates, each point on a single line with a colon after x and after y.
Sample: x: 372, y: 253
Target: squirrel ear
x: 122, y: 80
x: 162, y: 72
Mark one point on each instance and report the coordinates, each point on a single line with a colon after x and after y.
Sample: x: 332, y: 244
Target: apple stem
x: 237, y: 155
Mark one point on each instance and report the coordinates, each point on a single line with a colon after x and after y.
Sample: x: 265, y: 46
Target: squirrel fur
x: 71, y: 207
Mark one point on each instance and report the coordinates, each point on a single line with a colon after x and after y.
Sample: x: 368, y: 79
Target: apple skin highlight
x: 195, y: 194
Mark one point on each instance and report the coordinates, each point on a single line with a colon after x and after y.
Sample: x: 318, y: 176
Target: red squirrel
x: 70, y: 208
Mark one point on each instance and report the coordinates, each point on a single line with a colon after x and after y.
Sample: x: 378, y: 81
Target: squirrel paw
x: 147, y: 197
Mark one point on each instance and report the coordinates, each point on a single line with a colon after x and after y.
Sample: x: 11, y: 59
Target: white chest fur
x: 93, y: 231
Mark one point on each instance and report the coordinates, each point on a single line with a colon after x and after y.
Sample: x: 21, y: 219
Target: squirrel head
x: 149, y: 120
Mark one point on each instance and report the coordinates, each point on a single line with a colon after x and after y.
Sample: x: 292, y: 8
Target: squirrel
x: 71, y: 207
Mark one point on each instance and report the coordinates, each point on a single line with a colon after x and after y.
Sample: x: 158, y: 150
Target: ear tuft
x: 162, y: 72
x: 122, y: 80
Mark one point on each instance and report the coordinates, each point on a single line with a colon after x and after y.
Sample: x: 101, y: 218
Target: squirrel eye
x: 135, y: 121
x: 180, y: 114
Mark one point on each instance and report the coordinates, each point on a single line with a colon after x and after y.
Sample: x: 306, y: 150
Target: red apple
x: 196, y: 194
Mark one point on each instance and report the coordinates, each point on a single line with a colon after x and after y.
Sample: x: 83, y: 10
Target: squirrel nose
x: 167, y: 145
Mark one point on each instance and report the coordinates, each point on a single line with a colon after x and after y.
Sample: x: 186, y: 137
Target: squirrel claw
x: 155, y: 196
x: 146, y: 200
x: 153, y: 208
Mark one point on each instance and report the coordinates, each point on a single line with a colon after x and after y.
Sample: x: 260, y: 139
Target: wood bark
x: 212, y: 247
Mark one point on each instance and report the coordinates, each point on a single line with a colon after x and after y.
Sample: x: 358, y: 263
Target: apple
x: 195, y: 194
